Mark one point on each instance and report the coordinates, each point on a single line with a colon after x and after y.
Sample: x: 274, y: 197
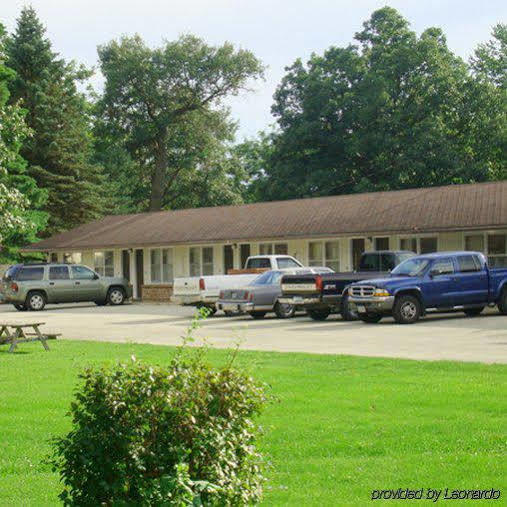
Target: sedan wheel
x: 116, y: 296
x: 284, y: 311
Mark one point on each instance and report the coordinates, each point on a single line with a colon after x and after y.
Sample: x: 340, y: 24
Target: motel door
x: 139, y: 273
x: 228, y: 258
x: 357, y: 250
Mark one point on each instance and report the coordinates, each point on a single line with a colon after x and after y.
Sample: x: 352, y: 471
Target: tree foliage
x: 59, y: 151
x: 392, y: 111
x: 163, y: 105
x: 20, y: 198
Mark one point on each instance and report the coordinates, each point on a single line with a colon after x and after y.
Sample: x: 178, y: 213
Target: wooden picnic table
x: 21, y: 332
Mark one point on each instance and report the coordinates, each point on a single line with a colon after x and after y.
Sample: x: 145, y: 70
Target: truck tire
x: 473, y: 312
x: 35, y: 301
x: 346, y: 311
x: 406, y: 309
x: 370, y: 318
x: 502, y: 302
x: 116, y: 296
x: 257, y: 315
x: 319, y: 314
x: 284, y: 311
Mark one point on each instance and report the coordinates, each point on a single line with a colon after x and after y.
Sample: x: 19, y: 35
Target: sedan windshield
x: 411, y: 267
x: 268, y: 278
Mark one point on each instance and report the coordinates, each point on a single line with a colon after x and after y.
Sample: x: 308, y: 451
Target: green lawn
x: 342, y: 427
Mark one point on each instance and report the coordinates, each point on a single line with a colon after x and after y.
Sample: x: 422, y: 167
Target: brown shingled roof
x: 454, y: 207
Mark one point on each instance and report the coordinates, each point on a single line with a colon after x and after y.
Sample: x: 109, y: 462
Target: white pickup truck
x: 203, y: 291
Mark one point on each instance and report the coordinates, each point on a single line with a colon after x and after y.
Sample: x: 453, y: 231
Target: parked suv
x: 32, y: 286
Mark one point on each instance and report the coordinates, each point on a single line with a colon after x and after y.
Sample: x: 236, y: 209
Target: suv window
x: 287, y: 263
x: 258, y: 263
x: 82, y: 273
x: 10, y: 273
x: 370, y: 262
x: 59, y: 273
x: 30, y: 274
x: 468, y: 263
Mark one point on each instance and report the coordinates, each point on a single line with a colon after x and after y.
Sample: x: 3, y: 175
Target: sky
x: 276, y: 31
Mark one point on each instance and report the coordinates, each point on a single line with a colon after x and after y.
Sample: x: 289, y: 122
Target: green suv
x: 32, y: 286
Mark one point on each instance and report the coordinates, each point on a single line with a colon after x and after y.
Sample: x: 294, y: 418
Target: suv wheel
x: 502, y: 302
x: 116, y: 296
x: 20, y: 308
x: 407, y: 309
x: 346, y: 311
x: 35, y: 301
x: 284, y: 311
x: 319, y: 314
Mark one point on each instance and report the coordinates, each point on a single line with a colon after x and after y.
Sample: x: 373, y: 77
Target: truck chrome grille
x: 362, y: 290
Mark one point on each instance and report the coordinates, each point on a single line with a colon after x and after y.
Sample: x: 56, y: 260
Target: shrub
x: 176, y: 435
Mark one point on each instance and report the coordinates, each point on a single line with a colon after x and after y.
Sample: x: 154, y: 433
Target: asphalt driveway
x: 450, y: 336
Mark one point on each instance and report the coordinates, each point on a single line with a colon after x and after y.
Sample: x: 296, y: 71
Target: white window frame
x: 485, y: 241
x: 272, y: 247
x: 102, y: 267
x: 170, y: 257
x: 418, y: 240
x: 200, y: 261
x: 324, y: 261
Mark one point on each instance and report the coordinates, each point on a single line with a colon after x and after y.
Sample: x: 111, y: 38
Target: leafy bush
x: 176, y: 435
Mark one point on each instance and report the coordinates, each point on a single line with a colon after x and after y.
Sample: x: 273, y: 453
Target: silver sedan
x: 261, y: 295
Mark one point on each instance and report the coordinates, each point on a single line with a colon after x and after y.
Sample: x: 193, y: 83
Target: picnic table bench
x: 17, y: 332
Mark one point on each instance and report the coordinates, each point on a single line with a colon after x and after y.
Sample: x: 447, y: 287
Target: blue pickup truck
x: 444, y: 281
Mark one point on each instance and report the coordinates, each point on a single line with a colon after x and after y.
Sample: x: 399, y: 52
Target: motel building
x: 151, y: 249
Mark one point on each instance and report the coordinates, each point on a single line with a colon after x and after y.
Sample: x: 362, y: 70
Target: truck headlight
x: 381, y: 292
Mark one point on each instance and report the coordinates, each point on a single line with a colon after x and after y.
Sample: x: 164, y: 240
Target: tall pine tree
x: 59, y: 152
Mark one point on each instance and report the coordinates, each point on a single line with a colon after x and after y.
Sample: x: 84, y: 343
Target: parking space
x: 437, y: 337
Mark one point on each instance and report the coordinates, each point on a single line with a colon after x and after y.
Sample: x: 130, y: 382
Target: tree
x: 59, y: 151
x: 164, y: 104
x: 390, y: 112
x: 20, y: 198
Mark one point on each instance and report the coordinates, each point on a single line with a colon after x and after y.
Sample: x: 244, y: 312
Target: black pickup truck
x: 323, y: 294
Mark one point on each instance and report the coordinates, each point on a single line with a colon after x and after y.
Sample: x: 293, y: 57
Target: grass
x: 343, y: 425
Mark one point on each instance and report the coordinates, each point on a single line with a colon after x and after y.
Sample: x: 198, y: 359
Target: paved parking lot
x: 452, y: 336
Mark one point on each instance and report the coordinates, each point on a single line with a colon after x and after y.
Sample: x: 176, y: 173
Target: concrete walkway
x: 451, y: 336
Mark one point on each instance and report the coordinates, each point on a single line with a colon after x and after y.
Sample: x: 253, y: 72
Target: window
x: 468, y: 263
x: 387, y: 262
x: 54, y: 257
x: 74, y: 258
x: 287, y: 262
x: 382, y: 243
x: 161, y: 265
x: 30, y: 274
x: 443, y: 266
x: 315, y: 253
x: 59, y: 273
x: 409, y: 244
x: 325, y: 253
x: 419, y: 245
x: 104, y: 263
x: 276, y: 248
x: 428, y: 245
x: 82, y: 273
x: 201, y: 260
x: 259, y: 263
x: 497, y: 250
x: 370, y: 262
x: 474, y: 243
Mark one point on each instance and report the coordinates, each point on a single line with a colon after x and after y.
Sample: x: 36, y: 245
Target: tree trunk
x: 158, y: 176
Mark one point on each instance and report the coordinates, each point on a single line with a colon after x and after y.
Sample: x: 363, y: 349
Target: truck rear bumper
x: 373, y: 304
x: 194, y: 300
